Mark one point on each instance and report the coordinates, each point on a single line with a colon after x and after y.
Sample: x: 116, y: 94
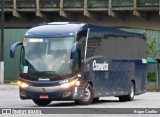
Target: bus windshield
x: 49, y: 54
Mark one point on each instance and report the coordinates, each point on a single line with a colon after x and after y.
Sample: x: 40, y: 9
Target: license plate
x: 43, y: 97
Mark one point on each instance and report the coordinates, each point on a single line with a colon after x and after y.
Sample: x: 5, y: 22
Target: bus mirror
x: 73, y: 50
x: 13, y: 47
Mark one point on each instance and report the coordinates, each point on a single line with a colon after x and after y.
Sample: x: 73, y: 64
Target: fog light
x: 23, y: 94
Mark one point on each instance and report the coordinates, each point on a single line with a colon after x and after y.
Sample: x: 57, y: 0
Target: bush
x: 151, y: 76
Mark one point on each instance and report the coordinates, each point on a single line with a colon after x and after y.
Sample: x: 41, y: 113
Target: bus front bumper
x: 52, y: 93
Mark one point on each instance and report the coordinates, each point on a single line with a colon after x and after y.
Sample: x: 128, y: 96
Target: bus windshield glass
x: 49, y: 54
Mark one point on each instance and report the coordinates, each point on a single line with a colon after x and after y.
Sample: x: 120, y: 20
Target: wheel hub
x: 87, y: 95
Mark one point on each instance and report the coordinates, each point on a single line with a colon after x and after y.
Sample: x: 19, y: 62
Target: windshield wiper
x: 49, y: 72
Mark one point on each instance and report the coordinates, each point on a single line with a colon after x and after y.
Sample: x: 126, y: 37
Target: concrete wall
x: 153, y: 86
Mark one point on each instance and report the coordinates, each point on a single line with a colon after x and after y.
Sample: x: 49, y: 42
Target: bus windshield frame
x: 47, y: 56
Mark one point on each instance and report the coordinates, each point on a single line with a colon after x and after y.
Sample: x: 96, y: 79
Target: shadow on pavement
x: 72, y: 103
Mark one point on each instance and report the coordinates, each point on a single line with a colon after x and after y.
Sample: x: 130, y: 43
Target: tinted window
x: 108, y: 46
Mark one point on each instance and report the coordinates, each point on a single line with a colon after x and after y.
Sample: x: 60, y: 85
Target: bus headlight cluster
x: 22, y: 84
x: 69, y: 84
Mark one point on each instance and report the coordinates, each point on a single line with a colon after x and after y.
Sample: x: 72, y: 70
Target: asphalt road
x: 9, y: 98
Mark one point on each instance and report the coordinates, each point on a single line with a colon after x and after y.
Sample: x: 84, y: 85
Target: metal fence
x: 80, y: 3
x: 26, y: 3
x: 49, y: 3
x: 73, y: 3
x: 148, y: 3
x: 122, y: 3
x: 8, y: 3
x: 11, y: 66
x: 98, y: 3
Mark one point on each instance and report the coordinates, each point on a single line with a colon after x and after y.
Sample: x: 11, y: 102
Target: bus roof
x: 62, y: 29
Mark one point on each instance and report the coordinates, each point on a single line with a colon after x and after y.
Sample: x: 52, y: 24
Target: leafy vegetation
x: 151, y: 76
x: 151, y: 46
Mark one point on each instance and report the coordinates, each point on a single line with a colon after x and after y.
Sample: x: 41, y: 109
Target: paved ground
x: 9, y: 97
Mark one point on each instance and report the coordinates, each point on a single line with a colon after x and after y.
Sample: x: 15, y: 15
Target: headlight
x: 67, y: 85
x: 73, y: 82
x: 22, y: 84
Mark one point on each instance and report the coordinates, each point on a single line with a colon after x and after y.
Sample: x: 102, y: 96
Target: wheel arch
x: 90, y: 82
x: 133, y: 81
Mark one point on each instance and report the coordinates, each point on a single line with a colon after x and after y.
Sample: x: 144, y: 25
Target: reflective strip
x: 75, y: 89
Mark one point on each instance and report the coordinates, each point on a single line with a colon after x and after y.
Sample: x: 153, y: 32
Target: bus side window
x: 79, y: 59
x: 81, y: 39
x: 80, y: 53
x: 22, y: 58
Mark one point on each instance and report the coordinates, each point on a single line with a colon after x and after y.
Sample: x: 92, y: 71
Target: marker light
x: 35, y: 40
x: 25, y: 40
x: 19, y: 82
x: 77, y: 83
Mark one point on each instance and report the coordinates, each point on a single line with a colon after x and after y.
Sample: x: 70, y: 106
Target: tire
x: 40, y: 102
x: 129, y: 97
x: 122, y: 98
x: 96, y: 99
x: 86, y: 100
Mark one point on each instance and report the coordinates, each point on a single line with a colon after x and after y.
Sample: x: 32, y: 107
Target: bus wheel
x: 129, y: 97
x: 40, y: 102
x: 88, y: 96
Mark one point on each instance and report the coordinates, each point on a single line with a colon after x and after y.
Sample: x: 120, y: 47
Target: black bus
x: 81, y: 62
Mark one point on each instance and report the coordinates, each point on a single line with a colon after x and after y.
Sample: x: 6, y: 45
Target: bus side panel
x: 122, y: 52
x: 140, y: 76
x: 121, y: 75
x: 116, y: 81
x: 113, y: 82
x: 99, y: 78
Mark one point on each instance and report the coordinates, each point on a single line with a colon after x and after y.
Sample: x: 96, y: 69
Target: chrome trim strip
x: 86, y: 44
x: 44, y: 89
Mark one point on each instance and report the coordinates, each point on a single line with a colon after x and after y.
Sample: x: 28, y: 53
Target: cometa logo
x: 100, y: 66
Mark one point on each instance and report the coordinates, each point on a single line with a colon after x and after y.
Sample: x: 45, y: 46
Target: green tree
x: 151, y: 47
